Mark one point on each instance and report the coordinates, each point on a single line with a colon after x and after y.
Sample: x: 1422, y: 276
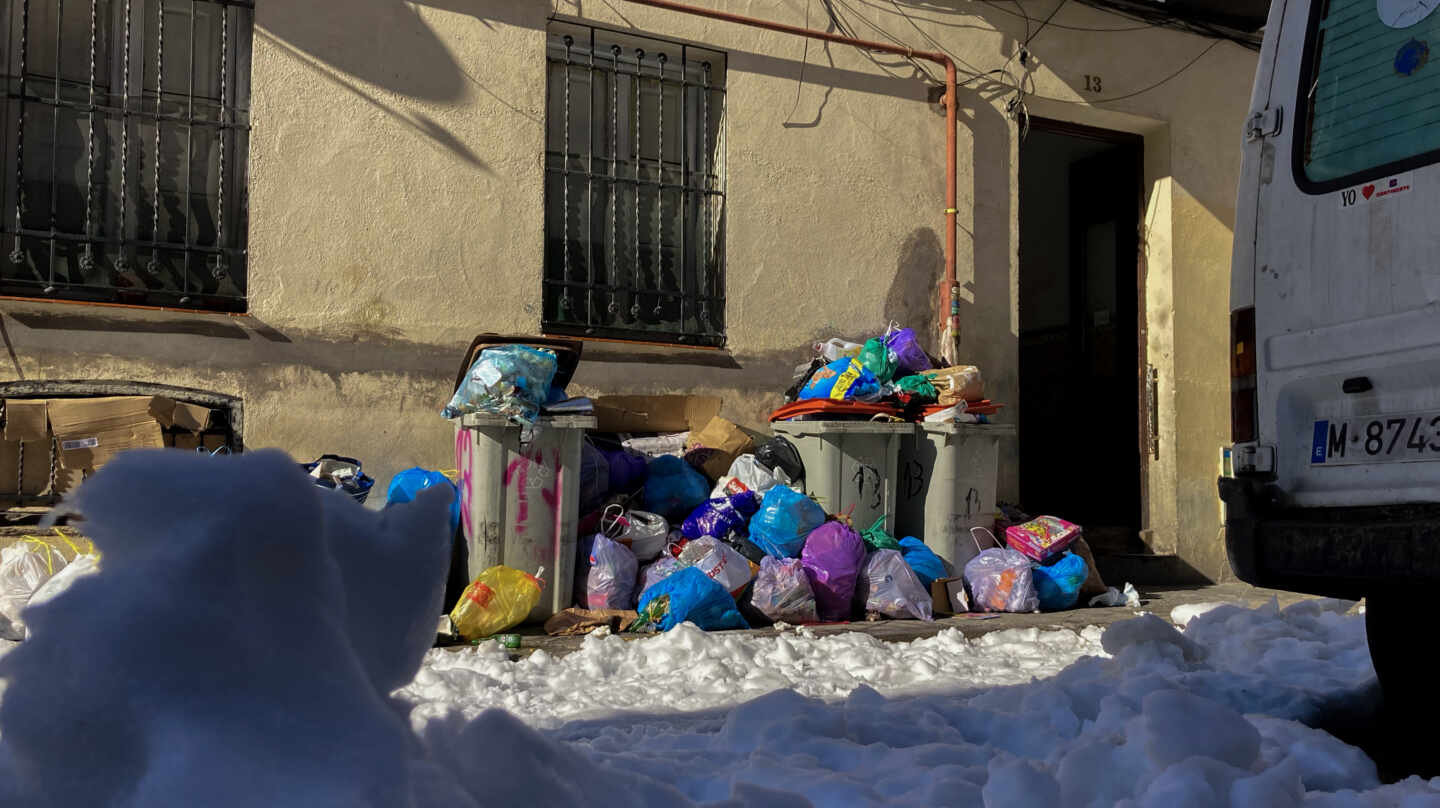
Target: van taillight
x: 1243, y: 401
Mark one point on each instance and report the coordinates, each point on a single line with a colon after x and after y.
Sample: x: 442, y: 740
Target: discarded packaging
x: 1115, y: 597
x: 509, y: 380
x: 745, y: 474
x: 782, y: 591
x: 715, y: 447
x: 342, y: 474
x: 720, y: 562
x: 958, y: 384
x: 888, y: 586
x: 1042, y: 538
x: 499, y: 598
x: 1001, y: 581
x: 583, y: 621
x: 843, y: 380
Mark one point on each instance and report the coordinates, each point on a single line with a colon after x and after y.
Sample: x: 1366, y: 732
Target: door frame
x: 1147, y: 396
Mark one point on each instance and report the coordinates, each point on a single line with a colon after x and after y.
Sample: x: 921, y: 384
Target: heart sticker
x: 1368, y: 191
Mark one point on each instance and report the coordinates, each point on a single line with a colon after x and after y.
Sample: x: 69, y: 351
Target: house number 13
x: 1092, y: 84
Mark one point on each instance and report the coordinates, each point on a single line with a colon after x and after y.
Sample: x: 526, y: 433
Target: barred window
x: 634, y: 196
x: 125, y: 131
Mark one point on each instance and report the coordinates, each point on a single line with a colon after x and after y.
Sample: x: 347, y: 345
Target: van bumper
x: 1333, y: 552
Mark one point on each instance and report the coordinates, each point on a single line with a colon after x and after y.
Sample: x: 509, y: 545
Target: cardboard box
x: 34, y: 480
x: 178, y: 414
x: 948, y: 596
x: 655, y: 413
x: 26, y: 420
x: 93, y: 430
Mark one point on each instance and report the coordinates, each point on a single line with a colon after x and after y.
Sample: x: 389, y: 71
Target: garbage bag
x: 918, y: 387
x: 498, y: 599
x: 62, y: 580
x: 720, y: 562
x: 1058, y: 583
x: 721, y: 517
x: 832, y: 557
x: 928, y: 567
x: 877, y: 358
x: 658, y: 446
x: 842, y: 380
x: 662, y: 568
x: 645, y: 533
x: 782, y: 591
x: 1042, y: 537
x: 876, y: 538
x: 786, y: 517
x: 909, y: 356
x: 745, y: 474
x: 781, y: 457
x: 627, y: 469
x: 342, y: 474
x: 957, y: 384
x: 888, y: 586
x: 594, y: 477
x: 689, y: 596
x: 673, y: 488
x: 510, y: 380
x: 610, y: 576
x: 1000, y: 581
x: 24, y: 568
x: 405, y: 485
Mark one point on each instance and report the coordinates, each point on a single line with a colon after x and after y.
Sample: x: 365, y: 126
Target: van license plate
x: 1404, y: 438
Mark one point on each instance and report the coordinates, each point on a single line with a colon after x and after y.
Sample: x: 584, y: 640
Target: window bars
x: 634, y: 198
x: 125, y: 131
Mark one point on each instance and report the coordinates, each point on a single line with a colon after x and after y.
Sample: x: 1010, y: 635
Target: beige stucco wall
x: 396, y: 200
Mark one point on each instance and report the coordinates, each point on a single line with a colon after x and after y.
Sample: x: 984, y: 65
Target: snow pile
x: 687, y: 669
x: 243, y: 645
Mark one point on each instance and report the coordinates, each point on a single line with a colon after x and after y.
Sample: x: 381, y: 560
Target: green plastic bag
x: 919, y: 387
x: 877, y: 357
x: 877, y: 539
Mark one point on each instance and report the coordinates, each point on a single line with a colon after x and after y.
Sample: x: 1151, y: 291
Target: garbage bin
x: 850, y: 464
x: 519, y: 501
x: 946, y: 485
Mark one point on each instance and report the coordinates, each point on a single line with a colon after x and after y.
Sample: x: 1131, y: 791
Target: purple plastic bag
x: 719, y: 518
x: 627, y: 470
x: 909, y: 355
x: 833, y: 556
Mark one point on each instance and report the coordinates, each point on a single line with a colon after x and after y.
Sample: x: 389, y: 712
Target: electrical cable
x: 1087, y: 29
x: 1053, y: 12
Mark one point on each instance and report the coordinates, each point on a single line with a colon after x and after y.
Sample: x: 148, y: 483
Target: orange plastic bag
x: 498, y: 599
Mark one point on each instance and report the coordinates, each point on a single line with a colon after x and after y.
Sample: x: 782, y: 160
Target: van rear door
x: 1347, y: 254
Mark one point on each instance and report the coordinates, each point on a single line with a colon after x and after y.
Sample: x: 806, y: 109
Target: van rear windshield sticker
x: 1359, y: 195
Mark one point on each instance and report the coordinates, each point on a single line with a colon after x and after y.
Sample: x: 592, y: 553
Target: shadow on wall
x: 388, y: 44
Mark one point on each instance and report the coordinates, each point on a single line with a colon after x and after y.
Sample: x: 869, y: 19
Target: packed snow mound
x: 252, y: 640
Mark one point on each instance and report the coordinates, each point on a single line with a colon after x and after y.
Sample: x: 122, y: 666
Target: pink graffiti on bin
x: 464, y: 447
x: 518, y: 473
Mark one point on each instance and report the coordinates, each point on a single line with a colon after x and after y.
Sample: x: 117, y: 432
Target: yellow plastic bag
x: 498, y: 598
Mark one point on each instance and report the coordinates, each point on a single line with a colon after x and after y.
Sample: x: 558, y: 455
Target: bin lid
x: 487, y: 419
x: 839, y: 427
x: 952, y: 428
x: 567, y: 354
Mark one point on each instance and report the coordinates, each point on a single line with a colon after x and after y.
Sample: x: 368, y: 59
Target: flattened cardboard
x: 93, y: 430
x: 212, y: 442
x: 655, y: 413
x: 26, y: 419
x: 188, y: 441
x: 36, y: 474
x: 716, y: 446
x: 948, y: 596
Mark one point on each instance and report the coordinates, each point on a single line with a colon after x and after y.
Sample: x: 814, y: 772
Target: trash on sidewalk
x: 610, y: 575
x: 583, y: 621
x: 405, y: 485
x: 1000, y: 580
x: 689, y: 595
x: 1058, y: 581
x: 715, y: 446
x: 782, y: 591
x: 722, y: 517
x: 1115, y: 597
x: 673, y: 488
x: 833, y: 556
x: 1042, y: 537
x: 745, y: 474
x: 499, y: 598
x: 785, y: 519
x: 889, y: 587
x: 720, y: 562
x: 342, y: 474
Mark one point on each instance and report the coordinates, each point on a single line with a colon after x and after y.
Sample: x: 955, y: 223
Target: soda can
x: 508, y: 640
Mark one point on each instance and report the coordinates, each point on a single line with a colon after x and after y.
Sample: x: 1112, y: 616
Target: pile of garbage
x: 890, y: 376
x: 37, y: 568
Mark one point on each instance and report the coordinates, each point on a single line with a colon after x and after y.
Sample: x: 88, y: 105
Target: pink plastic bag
x: 1043, y: 537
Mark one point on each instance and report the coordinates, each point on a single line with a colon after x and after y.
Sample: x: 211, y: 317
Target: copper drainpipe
x: 950, y: 293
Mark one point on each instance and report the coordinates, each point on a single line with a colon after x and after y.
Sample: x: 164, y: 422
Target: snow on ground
x: 243, y: 650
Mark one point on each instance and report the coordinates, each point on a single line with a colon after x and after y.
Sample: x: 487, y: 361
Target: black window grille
x: 125, y: 131
x: 634, y: 195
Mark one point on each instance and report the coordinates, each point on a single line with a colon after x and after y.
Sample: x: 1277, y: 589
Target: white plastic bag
x: 888, y: 586
x: 782, y: 591
x: 1000, y: 580
x: 654, y: 573
x: 745, y: 474
x: 721, y: 562
x: 24, y: 568
x: 658, y: 445
x: 645, y: 533
x: 610, y: 583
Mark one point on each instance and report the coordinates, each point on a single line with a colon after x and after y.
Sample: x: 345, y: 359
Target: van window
x: 1369, y: 100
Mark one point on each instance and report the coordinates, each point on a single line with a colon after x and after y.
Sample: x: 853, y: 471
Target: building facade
x: 315, y: 207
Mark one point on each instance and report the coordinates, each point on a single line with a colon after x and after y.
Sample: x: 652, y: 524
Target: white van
x: 1335, y: 316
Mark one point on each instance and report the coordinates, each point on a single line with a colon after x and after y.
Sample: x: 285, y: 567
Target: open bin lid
x: 567, y: 354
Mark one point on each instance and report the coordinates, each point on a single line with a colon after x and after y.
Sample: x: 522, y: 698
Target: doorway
x: 1081, y: 453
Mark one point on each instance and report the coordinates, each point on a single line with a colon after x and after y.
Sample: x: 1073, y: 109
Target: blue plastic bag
x: 511, y: 380
x: 689, y: 595
x: 722, y: 516
x: 842, y: 380
x: 1058, y: 584
x: 674, y: 488
x: 405, y: 485
x: 786, y: 517
x: 923, y: 560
